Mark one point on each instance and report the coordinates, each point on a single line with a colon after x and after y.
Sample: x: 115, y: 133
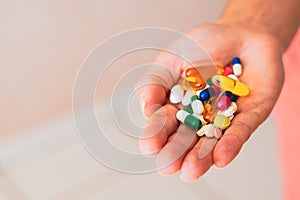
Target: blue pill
x: 236, y: 60
x: 234, y: 97
x: 204, y: 95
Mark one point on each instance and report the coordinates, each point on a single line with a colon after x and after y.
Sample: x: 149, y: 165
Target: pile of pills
x: 209, y: 106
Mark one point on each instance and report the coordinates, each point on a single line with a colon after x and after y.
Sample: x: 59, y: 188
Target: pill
x: 220, y: 69
x: 195, y: 79
x: 188, y: 119
x: 223, y: 103
x: 188, y: 109
x: 236, y: 87
x: 207, y: 113
x: 237, y: 69
x: 230, y: 110
x: 176, y: 94
x: 236, y: 60
x: 206, y: 130
x: 204, y: 95
x: 227, y: 71
x: 232, y: 76
x: 216, y: 89
x: 200, y: 117
x: 197, y: 105
x: 186, y: 100
x: 221, y: 121
x: 234, y: 98
x: 208, y: 82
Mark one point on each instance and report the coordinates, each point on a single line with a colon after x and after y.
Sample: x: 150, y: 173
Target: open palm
x: 177, y: 145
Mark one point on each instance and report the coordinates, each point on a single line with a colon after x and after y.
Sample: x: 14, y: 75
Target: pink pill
x: 228, y: 70
x: 216, y: 89
x: 223, y: 103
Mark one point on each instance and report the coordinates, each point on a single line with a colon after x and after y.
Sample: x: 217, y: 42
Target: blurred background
x: 43, y: 44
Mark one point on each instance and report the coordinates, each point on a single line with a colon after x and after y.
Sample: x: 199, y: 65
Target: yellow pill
x: 221, y: 122
x: 236, y: 87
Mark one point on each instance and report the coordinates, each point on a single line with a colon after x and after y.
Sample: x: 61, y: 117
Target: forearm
x: 281, y: 18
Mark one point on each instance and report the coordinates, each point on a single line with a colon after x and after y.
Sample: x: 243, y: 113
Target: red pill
x: 228, y: 70
x: 223, y: 103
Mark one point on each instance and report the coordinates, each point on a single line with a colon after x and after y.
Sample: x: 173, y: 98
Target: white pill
x: 181, y: 115
x: 197, y: 106
x: 234, y: 77
x: 237, y: 69
x: 187, y: 97
x: 176, y: 94
x: 230, y: 110
x: 207, y: 130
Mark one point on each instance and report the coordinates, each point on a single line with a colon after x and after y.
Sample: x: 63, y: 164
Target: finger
x: 170, y: 158
x: 160, y: 126
x: 193, y: 167
x: 152, y: 88
x: 241, y: 128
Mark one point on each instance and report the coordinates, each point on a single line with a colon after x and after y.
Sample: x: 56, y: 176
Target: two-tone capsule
x: 188, y: 119
x: 237, y: 66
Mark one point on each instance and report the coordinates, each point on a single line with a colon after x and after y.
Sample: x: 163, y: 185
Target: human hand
x: 178, y: 146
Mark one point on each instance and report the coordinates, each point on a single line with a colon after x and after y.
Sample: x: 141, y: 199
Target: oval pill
x: 232, y: 76
x: 195, y: 78
x: 176, y: 94
x: 237, y: 69
x: 186, y: 100
x: 223, y: 103
x: 197, y: 106
x: 221, y: 121
x: 230, y: 110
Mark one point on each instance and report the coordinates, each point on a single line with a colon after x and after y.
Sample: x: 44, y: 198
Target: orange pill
x: 207, y: 114
x: 195, y: 79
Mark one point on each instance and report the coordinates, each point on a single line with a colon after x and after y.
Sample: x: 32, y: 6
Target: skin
x: 259, y: 41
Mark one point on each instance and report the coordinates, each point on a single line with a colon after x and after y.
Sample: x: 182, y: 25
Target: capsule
x: 195, y: 78
x: 237, y: 66
x: 230, y: 110
x: 221, y: 121
x: 227, y: 71
x: 234, y: 77
x: 187, y: 97
x: 197, y: 105
x: 176, y: 94
x: 223, y: 103
x: 207, y: 114
x: 228, y: 84
x: 188, y: 119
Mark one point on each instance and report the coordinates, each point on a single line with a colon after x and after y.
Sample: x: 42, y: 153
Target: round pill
x: 176, y: 94
x: 228, y: 70
x: 223, y: 103
x: 204, y: 95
